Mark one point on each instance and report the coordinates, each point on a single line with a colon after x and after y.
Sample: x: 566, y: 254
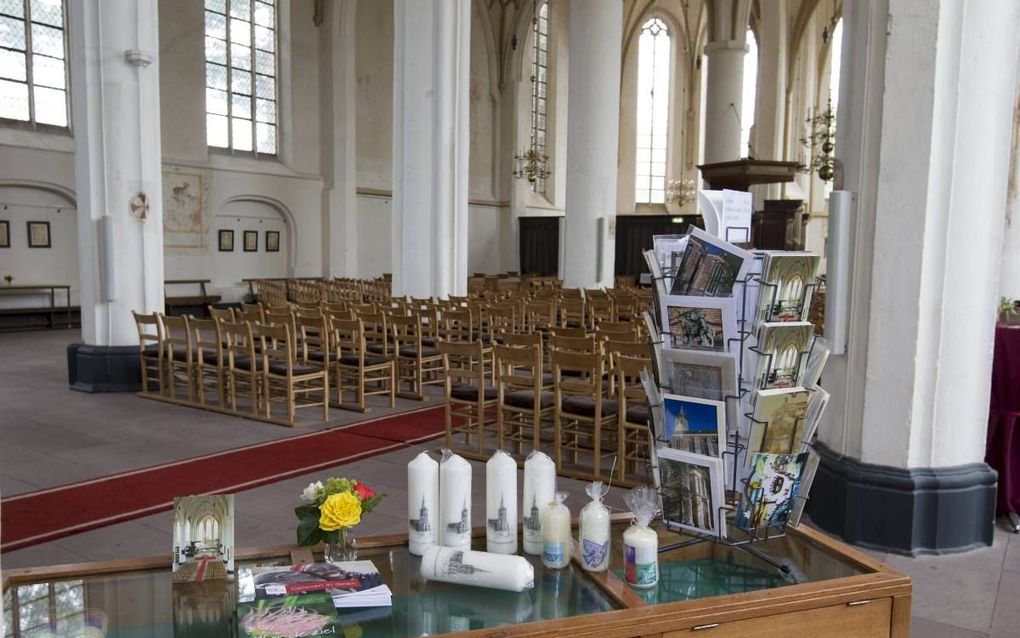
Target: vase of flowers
x: 333, y: 508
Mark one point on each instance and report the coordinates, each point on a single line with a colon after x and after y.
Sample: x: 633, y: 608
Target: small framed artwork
x: 39, y: 235
x: 226, y: 241
x: 692, y: 491
x: 251, y: 241
x: 5, y: 234
x: 272, y: 241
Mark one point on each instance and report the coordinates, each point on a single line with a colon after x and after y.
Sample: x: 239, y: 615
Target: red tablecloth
x: 1003, y: 449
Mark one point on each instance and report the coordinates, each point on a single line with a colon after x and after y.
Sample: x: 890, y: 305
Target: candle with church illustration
x: 422, y: 503
x: 501, y: 503
x: 455, y: 501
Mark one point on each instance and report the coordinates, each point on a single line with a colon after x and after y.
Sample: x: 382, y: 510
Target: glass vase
x: 345, y: 549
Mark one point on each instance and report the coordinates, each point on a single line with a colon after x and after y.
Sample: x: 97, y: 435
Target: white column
x: 593, y: 131
x: 927, y: 108
x: 430, y: 146
x: 339, y: 124
x: 114, y: 52
x: 724, y: 60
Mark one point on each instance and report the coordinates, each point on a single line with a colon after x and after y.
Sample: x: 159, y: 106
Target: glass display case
x: 821, y: 587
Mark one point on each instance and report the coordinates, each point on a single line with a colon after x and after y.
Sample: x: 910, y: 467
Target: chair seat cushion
x: 413, y: 352
x: 378, y: 348
x: 637, y: 414
x: 320, y: 356
x: 428, y: 342
x: 151, y: 350
x: 279, y: 367
x: 370, y: 360
x: 470, y: 392
x: 585, y: 406
x: 526, y: 399
x: 210, y: 356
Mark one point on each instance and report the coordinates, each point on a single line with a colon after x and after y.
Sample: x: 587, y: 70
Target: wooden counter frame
x: 638, y: 618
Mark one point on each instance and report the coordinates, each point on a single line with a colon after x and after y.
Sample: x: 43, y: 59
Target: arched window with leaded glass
x: 653, y: 89
x: 539, y: 87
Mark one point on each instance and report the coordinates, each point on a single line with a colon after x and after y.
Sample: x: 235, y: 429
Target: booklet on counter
x: 351, y: 584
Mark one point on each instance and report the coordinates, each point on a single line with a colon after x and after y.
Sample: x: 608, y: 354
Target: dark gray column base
x: 913, y: 511
x: 103, y: 368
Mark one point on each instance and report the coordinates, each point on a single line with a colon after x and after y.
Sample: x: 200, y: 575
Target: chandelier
x: 681, y: 191
x: 531, y: 165
x: 822, y: 143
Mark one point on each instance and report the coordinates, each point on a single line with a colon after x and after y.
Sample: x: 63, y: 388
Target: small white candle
x: 455, y: 501
x: 641, y: 556
x: 593, y: 531
x: 539, y: 489
x: 422, y: 503
x: 479, y: 569
x: 501, y: 503
x: 556, y: 541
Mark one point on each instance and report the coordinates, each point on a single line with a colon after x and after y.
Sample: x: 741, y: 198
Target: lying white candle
x: 478, y: 569
x: 556, y: 541
x: 593, y: 532
x: 422, y: 503
x: 539, y: 489
x: 501, y: 503
x: 641, y: 556
x: 455, y: 501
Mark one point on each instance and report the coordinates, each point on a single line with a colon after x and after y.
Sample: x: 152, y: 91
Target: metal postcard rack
x: 736, y: 445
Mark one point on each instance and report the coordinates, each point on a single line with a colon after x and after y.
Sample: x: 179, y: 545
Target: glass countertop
x: 146, y: 603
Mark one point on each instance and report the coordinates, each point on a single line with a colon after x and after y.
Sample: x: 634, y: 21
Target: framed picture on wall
x: 5, y: 234
x: 226, y: 241
x: 39, y: 235
x: 272, y: 241
x: 251, y: 241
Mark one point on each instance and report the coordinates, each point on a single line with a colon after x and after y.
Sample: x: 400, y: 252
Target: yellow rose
x: 339, y: 510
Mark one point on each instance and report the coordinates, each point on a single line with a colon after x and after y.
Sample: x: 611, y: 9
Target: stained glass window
x: 240, y: 75
x: 654, y: 51
x: 539, y: 86
x: 33, y: 62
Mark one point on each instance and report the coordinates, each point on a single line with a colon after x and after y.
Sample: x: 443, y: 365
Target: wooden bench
x: 65, y: 316
x: 188, y: 304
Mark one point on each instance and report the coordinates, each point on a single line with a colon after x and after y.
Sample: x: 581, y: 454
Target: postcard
x: 203, y: 538
x: 782, y: 349
x: 710, y: 266
x: 705, y: 375
x: 779, y: 421
x: 804, y: 489
x: 692, y: 491
x: 772, y: 487
x: 698, y: 323
x: 786, y: 286
x: 816, y: 360
x: 813, y: 416
x: 694, y: 424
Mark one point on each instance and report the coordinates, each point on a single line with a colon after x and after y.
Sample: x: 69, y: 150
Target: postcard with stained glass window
x: 782, y: 352
x: 779, y: 421
x: 786, y: 289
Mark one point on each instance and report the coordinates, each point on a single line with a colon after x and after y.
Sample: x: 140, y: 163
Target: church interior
x: 246, y: 245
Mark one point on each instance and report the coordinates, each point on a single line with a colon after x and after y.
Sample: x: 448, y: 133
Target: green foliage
x: 1007, y: 306
x: 308, y: 530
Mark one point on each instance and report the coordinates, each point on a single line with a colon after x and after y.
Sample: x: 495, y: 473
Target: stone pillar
x: 430, y: 146
x: 593, y: 131
x: 926, y: 117
x: 724, y: 94
x: 114, y: 53
x: 339, y: 125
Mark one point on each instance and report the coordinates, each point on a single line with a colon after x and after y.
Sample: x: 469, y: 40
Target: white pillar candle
x: 641, y: 556
x: 539, y: 489
x: 455, y: 501
x: 593, y: 531
x: 478, y: 569
x: 422, y: 503
x: 556, y: 541
x: 501, y: 503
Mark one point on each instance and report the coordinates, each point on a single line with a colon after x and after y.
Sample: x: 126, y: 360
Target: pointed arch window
x: 654, y: 52
x: 539, y: 86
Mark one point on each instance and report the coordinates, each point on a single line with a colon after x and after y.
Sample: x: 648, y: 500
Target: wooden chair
x: 458, y: 326
x: 253, y: 312
x: 572, y: 312
x: 375, y: 327
x: 221, y: 314
x: 179, y: 351
x: 585, y: 421
x: 208, y: 343
x: 528, y: 340
x: 576, y: 333
x: 313, y: 339
x: 539, y: 315
x: 368, y: 373
x: 524, y: 403
x: 600, y: 308
x: 285, y: 381
x: 574, y: 344
x: 150, y: 352
x: 242, y: 366
x: 469, y: 399
x: 417, y: 363
x: 615, y: 349
x: 635, y: 438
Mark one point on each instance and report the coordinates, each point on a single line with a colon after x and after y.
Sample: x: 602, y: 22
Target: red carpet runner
x: 45, y: 515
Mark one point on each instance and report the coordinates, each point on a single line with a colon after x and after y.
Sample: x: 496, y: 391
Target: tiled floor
x: 51, y: 436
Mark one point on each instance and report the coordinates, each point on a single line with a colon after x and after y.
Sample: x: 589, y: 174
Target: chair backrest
x: 253, y: 312
x: 150, y: 333
x: 586, y: 345
x: 502, y: 317
x: 177, y: 337
x: 573, y: 333
x: 539, y: 313
x: 375, y: 328
x: 313, y: 335
x: 458, y: 326
x: 349, y: 338
x: 276, y: 344
x: 571, y: 310
x: 281, y: 318
x: 522, y: 339
x: 584, y: 376
x: 463, y: 364
x: 237, y: 343
x: 206, y: 337
x: 406, y: 332
x: 519, y: 368
x: 221, y: 314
